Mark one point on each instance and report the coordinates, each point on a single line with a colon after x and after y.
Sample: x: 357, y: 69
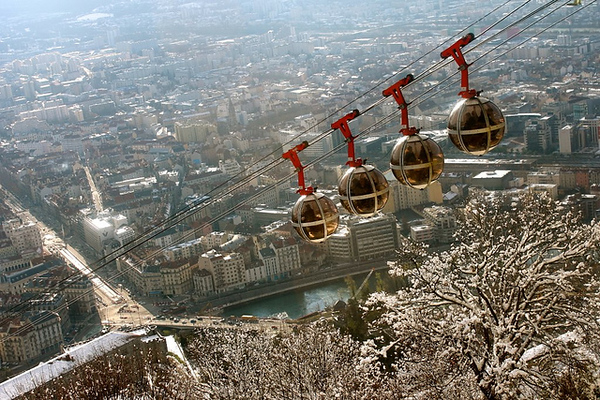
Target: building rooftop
x: 69, y: 360
x: 499, y: 173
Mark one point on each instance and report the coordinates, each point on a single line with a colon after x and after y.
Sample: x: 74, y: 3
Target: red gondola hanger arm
x: 342, y: 125
x: 292, y: 155
x: 396, y: 91
x: 456, y: 52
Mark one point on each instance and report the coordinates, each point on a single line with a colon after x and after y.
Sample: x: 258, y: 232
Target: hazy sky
x: 14, y: 7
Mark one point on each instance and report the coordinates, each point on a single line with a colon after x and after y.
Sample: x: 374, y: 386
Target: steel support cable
x: 339, y: 147
x: 419, y: 99
x: 131, y: 247
x: 151, y: 233
x: 192, y: 209
x: 214, y: 219
x: 388, y: 118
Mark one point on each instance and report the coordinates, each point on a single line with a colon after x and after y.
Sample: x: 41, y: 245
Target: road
x: 108, y: 294
x: 95, y: 194
x: 266, y: 324
x: 109, y: 300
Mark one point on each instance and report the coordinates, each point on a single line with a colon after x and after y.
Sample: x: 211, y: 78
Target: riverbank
x: 298, y: 282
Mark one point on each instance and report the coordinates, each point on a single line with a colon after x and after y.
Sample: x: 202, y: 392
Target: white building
x: 364, y: 239
x: 403, y: 197
x: 100, y: 228
x: 422, y: 233
x: 565, y: 140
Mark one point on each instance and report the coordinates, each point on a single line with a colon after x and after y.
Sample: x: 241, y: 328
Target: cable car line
x: 187, y: 211
x: 266, y: 168
x: 192, y: 208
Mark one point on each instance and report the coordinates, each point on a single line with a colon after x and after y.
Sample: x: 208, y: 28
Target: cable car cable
x: 195, y: 209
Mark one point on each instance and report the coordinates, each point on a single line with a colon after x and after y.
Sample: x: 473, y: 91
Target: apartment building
x: 25, y: 236
x: 228, y: 269
x: 362, y: 239
x: 158, y: 276
x: 443, y: 222
x: 30, y: 337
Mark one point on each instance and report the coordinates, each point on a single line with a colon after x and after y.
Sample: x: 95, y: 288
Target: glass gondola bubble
x: 416, y: 161
x: 476, y: 125
x: 363, y: 190
x: 315, y: 217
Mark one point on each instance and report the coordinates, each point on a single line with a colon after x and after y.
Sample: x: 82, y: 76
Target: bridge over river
x: 298, y: 282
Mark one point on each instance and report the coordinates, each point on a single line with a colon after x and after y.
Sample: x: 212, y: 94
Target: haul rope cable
x: 225, y: 213
x: 325, y: 155
x: 266, y: 168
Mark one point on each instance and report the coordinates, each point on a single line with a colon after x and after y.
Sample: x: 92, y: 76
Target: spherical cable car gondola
x: 363, y: 189
x: 475, y: 125
x: 416, y: 160
x: 314, y: 216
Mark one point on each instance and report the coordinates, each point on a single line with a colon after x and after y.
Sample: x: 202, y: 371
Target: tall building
x: 591, y: 130
x: 228, y: 270
x: 538, y: 136
x: 573, y: 138
x: 362, y: 239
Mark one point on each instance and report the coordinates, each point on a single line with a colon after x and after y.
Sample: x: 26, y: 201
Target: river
x: 297, y: 303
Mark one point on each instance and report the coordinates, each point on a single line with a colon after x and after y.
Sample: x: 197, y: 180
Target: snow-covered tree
x: 138, y: 374
x: 510, y: 311
x: 311, y: 362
